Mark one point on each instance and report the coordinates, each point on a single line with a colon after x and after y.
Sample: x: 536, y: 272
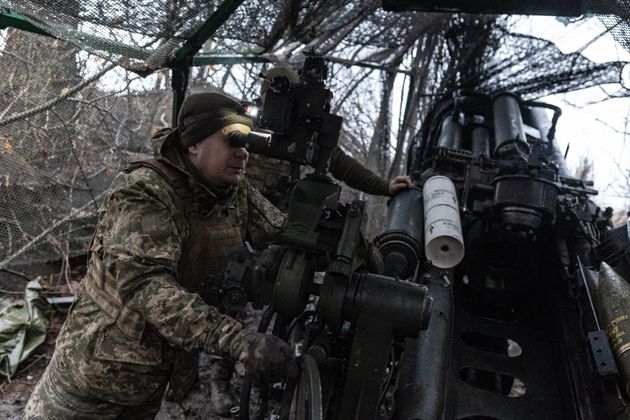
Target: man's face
x: 218, y: 163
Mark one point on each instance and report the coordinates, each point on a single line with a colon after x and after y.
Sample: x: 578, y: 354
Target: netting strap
x: 47, y: 105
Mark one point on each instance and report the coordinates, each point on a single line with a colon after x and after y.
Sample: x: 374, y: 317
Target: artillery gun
x: 496, y: 244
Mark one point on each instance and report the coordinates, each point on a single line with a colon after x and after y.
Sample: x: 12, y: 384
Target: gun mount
x: 346, y: 344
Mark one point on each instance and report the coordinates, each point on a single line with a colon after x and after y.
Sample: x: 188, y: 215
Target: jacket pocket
x: 115, y: 346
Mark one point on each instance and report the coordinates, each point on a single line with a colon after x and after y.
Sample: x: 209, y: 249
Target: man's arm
x: 142, y: 232
x: 348, y: 170
x: 264, y: 220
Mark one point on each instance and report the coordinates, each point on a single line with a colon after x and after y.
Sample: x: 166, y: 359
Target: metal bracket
x: 602, y: 354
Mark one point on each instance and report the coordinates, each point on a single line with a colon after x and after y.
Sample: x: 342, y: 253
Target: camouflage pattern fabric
x: 350, y: 171
x: 115, y: 352
x: 267, y: 356
x: 265, y: 174
x: 55, y: 398
x: 263, y: 218
x: 271, y: 177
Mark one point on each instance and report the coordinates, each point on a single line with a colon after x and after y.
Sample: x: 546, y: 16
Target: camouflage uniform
x: 136, y: 316
x: 265, y: 173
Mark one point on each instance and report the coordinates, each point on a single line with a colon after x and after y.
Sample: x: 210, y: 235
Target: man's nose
x: 241, y: 152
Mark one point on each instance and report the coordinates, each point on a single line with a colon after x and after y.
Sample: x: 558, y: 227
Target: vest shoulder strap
x: 173, y: 176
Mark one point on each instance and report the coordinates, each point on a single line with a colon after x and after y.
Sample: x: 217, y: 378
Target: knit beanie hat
x: 203, y: 114
x: 280, y: 71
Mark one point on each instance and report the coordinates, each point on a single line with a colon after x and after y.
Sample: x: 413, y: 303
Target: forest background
x: 74, y: 112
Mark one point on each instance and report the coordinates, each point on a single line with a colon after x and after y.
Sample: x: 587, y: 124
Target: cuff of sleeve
x: 383, y: 188
x: 221, y: 339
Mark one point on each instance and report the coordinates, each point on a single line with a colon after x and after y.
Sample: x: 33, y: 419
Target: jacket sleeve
x: 142, y: 232
x: 346, y: 169
x: 264, y: 220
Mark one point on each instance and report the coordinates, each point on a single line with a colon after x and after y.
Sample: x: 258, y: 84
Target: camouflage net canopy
x: 85, y: 83
x: 138, y: 35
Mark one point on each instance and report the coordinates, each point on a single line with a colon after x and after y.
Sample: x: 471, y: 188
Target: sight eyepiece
x: 254, y: 142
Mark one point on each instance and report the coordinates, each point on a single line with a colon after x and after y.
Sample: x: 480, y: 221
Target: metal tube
x: 401, y: 241
x: 451, y: 135
x: 509, y: 133
x: 480, y: 144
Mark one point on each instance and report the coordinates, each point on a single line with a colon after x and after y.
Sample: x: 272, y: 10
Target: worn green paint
x: 17, y: 21
x: 210, y: 26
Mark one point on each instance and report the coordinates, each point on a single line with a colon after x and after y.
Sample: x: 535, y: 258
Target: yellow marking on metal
x: 623, y: 349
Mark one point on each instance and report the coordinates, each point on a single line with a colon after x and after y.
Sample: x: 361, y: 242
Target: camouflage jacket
x: 140, y: 238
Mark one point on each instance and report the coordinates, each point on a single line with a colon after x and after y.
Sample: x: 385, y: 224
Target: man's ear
x: 192, y: 149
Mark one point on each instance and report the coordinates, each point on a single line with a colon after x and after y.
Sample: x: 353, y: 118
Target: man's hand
x: 399, y: 183
x: 266, y: 357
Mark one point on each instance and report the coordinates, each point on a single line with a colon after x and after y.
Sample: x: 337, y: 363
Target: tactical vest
x: 211, y: 243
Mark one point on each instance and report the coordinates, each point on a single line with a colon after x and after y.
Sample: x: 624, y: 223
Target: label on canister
x: 617, y: 334
x: 443, y: 238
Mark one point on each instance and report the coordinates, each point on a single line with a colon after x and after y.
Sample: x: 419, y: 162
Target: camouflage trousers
x: 56, y: 398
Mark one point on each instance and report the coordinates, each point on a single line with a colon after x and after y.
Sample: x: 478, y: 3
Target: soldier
x: 137, y: 323
x: 342, y: 166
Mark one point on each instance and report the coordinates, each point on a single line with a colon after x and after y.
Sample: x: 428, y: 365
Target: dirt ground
x: 15, y: 393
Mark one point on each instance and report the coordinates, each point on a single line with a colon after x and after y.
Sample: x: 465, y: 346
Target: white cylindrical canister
x: 443, y: 238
